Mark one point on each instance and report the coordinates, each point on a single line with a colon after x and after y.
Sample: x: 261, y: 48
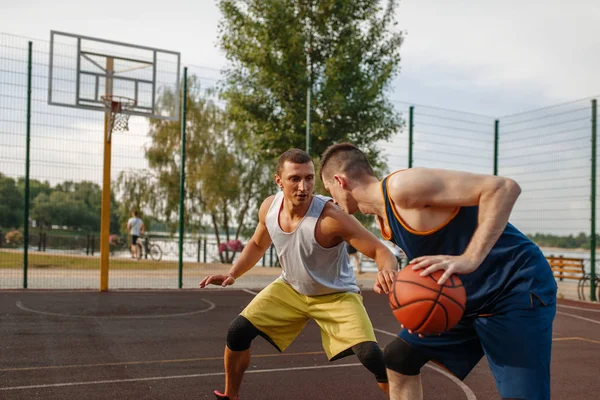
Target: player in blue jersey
x: 458, y: 222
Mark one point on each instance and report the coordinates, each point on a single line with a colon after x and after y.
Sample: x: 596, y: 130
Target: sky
x: 488, y: 58
x: 493, y: 57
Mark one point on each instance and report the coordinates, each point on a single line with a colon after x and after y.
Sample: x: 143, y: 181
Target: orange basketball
x: 425, y: 307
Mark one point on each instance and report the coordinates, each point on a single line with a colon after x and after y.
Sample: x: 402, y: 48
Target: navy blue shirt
x: 513, y: 271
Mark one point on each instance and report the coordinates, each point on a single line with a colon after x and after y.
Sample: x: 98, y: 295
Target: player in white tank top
x: 309, y: 233
x: 308, y: 267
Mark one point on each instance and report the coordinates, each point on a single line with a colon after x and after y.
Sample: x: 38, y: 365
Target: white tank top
x: 136, y: 225
x: 308, y: 267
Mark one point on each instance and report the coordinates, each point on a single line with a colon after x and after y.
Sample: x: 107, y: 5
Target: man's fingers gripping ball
x: 385, y: 281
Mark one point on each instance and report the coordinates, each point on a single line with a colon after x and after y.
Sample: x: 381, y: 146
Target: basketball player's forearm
x: 251, y: 255
x: 494, y: 212
x: 385, y: 261
x: 482, y: 242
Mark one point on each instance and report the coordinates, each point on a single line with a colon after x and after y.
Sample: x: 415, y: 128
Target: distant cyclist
x: 136, y: 228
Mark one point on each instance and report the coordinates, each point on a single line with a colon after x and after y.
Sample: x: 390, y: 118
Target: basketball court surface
x: 169, y: 345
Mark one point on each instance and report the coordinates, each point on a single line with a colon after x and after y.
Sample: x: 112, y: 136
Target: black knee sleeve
x: 404, y: 359
x: 371, y: 356
x: 240, y: 334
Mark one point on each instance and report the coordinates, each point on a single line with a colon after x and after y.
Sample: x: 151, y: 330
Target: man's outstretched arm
x: 348, y: 228
x: 252, y: 253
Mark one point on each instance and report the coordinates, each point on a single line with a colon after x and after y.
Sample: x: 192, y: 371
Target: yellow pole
x: 105, y: 213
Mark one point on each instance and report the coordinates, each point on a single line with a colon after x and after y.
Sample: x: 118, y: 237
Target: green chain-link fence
x: 548, y: 151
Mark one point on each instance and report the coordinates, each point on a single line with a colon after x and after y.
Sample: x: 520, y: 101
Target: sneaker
x: 221, y: 396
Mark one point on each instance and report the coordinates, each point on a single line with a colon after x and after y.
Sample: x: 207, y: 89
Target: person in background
x: 136, y: 228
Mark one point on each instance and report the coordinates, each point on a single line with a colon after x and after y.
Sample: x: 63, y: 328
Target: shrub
x: 14, y: 237
x: 233, y: 245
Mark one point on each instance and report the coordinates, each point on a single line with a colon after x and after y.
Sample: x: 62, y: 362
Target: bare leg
x: 236, y: 363
x: 133, y: 248
x: 405, y: 387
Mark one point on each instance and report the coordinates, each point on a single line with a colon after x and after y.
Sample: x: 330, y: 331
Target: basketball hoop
x: 120, y: 109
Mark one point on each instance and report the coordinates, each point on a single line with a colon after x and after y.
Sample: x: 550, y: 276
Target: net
x: 120, y: 109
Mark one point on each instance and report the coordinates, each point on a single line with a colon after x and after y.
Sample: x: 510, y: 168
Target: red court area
x: 169, y: 345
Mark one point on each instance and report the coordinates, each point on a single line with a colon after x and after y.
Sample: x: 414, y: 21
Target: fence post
x: 27, y: 141
x: 92, y: 243
x: 410, y: 135
x: 271, y: 256
x: 496, y: 137
x: 308, y: 122
x: 182, y: 175
x: 204, y: 255
x: 198, y: 245
x: 562, y: 266
x: 44, y: 241
x: 593, y: 205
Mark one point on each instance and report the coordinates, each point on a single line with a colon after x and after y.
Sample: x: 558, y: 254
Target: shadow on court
x: 169, y: 344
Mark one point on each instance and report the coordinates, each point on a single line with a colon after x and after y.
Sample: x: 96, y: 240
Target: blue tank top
x: 513, y: 271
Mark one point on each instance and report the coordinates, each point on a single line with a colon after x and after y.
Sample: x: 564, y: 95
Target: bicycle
x: 148, y: 248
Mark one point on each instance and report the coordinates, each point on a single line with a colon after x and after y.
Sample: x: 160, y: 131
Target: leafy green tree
x: 581, y: 241
x: 76, y: 205
x: 11, y: 203
x: 347, y: 51
x: 35, y: 187
x: 225, y: 180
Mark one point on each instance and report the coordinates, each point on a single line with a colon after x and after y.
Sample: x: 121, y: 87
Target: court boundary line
x: 574, y: 338
x: 467, y: 390
x: 173, y: 361
x: 579, y: 308
x: 578, y: 317
x: 159, y: 378
x: 211, y: 306
x: 218, y: 358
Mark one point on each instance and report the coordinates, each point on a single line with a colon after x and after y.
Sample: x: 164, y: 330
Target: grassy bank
x: 14, y: 259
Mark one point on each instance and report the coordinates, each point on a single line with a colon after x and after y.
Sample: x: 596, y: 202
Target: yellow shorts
x: 281, y: 313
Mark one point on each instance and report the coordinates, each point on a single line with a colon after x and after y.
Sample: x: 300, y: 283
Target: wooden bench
x: 574, y: 269
x: 566, y: 268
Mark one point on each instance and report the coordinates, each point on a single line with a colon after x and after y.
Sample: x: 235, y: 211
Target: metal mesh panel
x: 548, y: 151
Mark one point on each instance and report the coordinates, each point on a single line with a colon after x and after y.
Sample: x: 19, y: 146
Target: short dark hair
x: 134, y: 212
x: 346, y: 158
x: 295, y: 156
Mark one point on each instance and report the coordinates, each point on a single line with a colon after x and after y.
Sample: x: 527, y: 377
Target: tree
x: 224, y: 179
x: 35, y: 187
x: 137, y: 191
x: 11, y: 203
x: 76, y: 205
x: 348, y: 52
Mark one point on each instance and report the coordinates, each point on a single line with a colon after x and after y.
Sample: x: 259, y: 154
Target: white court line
x: 467, y: 390
x: 579, y: 317
x: 211, y: 306
x: 578, y: 308
x: 161, y: 378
